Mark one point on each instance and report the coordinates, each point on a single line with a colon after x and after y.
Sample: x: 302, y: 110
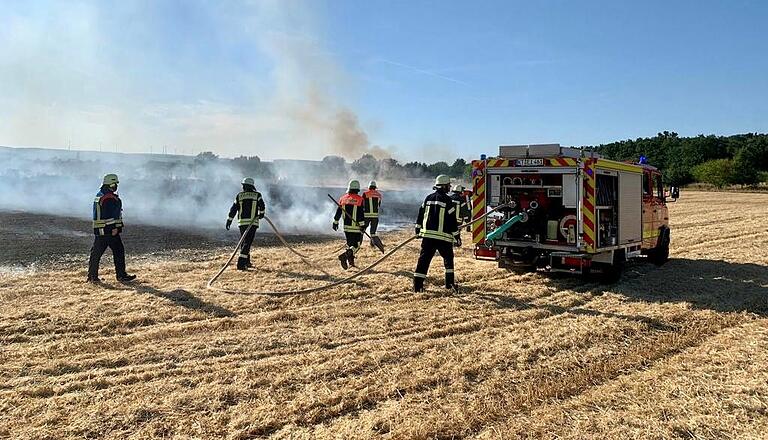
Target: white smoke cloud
x: 124, y: 76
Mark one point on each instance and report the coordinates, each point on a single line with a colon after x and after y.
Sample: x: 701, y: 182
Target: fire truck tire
x: 660, y: 254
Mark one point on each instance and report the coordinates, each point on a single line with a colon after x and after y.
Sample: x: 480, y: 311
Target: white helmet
x: 110, y: 179
x: 442, y: 180
x: 458, y: 188
x: 372, y: 184
x: 248, y: 181
x: 353, y: 184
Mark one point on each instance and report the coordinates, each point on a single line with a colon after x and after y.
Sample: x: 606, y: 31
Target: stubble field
x: 679, y: 351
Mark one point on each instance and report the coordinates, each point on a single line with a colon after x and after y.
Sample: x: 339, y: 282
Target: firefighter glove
x: 229, y: 223
x: 457, y: 242
x: 335, y: 226
x: 417, y: 230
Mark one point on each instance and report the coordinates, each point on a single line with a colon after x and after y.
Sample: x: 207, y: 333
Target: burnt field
x: 48, y: 241
x: 679, y: 351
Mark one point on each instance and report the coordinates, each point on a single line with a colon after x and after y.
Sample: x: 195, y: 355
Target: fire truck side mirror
x: 674, y: 192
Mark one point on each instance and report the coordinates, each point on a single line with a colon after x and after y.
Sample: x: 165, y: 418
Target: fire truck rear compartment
x: 543, y: 209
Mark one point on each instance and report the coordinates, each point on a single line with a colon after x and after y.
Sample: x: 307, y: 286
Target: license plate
x: 530, y: 162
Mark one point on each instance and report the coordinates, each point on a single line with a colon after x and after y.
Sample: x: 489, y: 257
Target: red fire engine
x: 567, y: 210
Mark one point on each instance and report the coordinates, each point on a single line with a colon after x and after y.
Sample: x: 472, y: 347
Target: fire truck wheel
x: 660, y: 254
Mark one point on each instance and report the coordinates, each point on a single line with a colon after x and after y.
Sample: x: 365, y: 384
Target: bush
x: 718, y: 172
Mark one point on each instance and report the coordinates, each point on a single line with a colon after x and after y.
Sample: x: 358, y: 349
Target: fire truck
x: 561, y: 209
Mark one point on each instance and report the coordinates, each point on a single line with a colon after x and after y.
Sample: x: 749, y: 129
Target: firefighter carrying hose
x: 107, y: 226
x: 249, y: 207
x: 437, y: 226
x: 372, y: 202
x: 351, y: 211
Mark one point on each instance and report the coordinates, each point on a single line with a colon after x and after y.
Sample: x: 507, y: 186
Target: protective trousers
x: 353, y: 245
x: 428, y: 248
x: 375, y: 240
x: 244, y: 260
x: 100, y: 244
x: 374, y: 225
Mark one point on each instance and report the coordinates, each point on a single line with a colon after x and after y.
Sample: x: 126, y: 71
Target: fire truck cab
x: 567, y: 210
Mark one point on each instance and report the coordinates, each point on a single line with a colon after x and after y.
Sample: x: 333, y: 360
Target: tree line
x: 740, y: 159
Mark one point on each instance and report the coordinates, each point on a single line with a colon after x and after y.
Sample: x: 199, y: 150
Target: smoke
x: 237, y: 78
x: 254, y: 79
x: 180, y: 191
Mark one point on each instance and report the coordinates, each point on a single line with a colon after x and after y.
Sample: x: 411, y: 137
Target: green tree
x: 718, y: 172
x: 458, y: 167
x: 335, y: 165
x: 366, y: 165
x: 438, y: 168
x: 745, y: 166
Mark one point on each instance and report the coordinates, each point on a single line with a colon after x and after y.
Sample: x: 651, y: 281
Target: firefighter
x: 437, y: 226
x: 249, y: 207
x: 351, y: 212
x: 107, y: 226
x: 372, y: 203
x: 462, y: 205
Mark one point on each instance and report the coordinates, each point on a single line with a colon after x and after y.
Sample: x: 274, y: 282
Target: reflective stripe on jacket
x: 107, y: 212
x: 437, y: 218
x: 462, y: 207
x: 249, y: 208
x: 372, y: 200
x: 355, y: 217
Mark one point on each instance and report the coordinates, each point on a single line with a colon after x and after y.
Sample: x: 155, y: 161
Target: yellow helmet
x: 353, y: 184
x: 442, y: 180
x: 110, y: 179
x: 248, y: 181
x: 458, y: 188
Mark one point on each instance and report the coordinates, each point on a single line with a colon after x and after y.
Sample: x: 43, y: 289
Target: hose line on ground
x: 326, y: 286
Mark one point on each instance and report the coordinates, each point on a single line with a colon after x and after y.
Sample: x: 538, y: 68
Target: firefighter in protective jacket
x: 107, y: 226
x: 463, y: 211
x: 372, y: 202
x: 351, y: 212
x: 437, y: 226
x: 249, y: 208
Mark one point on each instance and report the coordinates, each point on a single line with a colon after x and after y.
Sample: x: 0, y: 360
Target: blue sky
x: 424, y: 80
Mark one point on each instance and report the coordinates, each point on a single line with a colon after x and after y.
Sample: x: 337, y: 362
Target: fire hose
x: 345, y: 280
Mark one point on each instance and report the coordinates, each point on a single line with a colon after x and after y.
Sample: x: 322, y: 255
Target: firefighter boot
x: 351, y: 257
x: 343, y: 261
x: 418, y: 284
x: 450, y: 282
x: 376, y: 242
x: 125, y: 278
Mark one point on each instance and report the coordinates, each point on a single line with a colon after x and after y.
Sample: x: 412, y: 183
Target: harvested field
x: 679, y: 351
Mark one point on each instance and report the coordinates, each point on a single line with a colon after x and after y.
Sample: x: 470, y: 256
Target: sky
x: 415, y: 80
